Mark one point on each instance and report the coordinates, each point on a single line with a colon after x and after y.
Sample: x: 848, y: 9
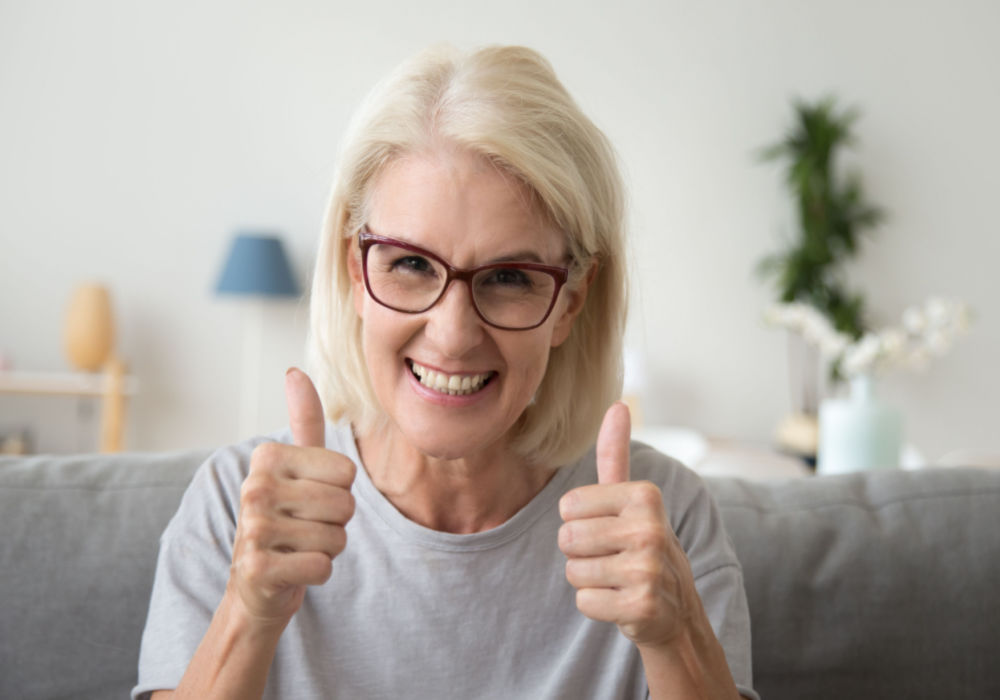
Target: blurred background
x: 136, y: 138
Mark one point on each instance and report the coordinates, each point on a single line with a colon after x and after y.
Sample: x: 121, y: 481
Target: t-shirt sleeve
x: 718, y: 576
x: 192, y: 571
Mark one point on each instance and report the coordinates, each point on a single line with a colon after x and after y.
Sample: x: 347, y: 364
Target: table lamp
x: 256, y: 269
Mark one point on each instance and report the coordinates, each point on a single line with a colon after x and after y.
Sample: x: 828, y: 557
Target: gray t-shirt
x: 415, y: 613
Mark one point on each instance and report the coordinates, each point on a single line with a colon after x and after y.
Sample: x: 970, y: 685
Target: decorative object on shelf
x: 832, y: 214
x: 89, y: 337
x: 15, y: 442
x: 861, y: 432
x: 255, y: 268
x: 858, y: 432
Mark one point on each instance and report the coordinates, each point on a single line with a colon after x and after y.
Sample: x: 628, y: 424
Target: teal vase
x: 859, y: 432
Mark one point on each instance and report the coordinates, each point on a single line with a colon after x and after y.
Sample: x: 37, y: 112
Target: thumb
x: 612, y: 445
x: 305, y: 412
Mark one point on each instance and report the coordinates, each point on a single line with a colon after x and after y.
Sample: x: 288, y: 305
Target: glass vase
x: 859, y: 432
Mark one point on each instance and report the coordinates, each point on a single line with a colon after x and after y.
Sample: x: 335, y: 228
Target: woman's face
x: 461, y: 208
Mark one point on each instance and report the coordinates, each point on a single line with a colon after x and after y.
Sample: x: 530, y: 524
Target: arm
x: 629, y: 568
x: 294, y: 505
x: 232, y: 660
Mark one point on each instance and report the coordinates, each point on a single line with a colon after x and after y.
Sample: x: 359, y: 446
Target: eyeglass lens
x: 507, y: 296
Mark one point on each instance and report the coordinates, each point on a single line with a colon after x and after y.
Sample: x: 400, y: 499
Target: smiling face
x: 451, y: 385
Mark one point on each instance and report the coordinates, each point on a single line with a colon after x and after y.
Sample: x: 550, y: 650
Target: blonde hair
x: 506, y: 104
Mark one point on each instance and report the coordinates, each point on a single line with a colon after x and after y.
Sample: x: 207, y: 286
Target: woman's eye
x: 412, y: 263
x: 509, y: 277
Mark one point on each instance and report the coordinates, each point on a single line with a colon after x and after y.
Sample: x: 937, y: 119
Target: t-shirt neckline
x: 365, y: 490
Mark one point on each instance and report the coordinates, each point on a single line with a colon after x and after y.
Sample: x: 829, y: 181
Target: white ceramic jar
x: 859, y: 432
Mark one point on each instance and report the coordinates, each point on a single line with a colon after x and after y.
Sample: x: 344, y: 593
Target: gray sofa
x: 876, y: 585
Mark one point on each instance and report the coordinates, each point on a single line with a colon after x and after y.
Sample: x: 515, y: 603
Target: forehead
x: 462, y: 207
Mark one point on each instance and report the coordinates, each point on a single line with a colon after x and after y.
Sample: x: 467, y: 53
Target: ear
x: 575, y: 297
x: 357, y: 277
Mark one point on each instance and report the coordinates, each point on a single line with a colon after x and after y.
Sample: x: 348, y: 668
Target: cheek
x: 531, y: 361
x: 384, y: 333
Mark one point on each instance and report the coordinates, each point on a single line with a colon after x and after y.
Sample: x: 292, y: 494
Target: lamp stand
x: 250, y: 391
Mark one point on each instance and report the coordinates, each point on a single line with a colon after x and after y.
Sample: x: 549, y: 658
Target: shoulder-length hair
x: 506, y: 104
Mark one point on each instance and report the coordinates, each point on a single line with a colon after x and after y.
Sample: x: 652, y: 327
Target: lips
x: 453, y: 384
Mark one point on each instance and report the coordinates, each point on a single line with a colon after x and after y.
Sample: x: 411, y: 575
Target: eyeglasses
x: 513, y: 296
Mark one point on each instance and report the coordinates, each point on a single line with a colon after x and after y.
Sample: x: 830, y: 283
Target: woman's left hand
x: 623, y: 557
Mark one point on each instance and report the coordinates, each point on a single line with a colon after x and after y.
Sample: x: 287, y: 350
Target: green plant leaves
x: 832, y: 214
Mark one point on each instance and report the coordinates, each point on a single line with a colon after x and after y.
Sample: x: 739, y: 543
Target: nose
x: 453, y: 324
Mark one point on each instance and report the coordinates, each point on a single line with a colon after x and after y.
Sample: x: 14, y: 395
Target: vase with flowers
x: 860, y: 431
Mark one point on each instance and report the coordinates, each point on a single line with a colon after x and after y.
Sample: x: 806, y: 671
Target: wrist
x: 244, y: 619
x: 690, y: 664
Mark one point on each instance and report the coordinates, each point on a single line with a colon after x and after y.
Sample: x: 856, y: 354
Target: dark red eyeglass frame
x: 366, y: 239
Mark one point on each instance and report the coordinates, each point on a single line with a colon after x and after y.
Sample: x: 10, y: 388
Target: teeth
x: 453, y: 384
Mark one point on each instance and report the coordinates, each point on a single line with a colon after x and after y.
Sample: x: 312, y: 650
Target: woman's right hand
x: 294, y: 506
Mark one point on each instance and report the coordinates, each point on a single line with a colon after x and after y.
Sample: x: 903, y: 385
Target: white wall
x: 136, y: 136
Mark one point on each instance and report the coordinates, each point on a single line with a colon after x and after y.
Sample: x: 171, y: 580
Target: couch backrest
x: 78, y: 545
x: 872, y: 585
x: 869, y: 585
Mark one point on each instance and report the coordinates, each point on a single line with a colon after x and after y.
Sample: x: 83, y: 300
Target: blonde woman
x: 437, y: 521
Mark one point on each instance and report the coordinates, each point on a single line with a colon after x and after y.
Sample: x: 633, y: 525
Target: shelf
x: 112, y: 387
x: 63, y: 383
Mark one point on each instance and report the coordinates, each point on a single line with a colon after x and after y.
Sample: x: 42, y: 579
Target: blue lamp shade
x: 257, y: 265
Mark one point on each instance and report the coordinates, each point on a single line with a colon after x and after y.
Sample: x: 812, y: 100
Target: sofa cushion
x: 871, y: 585
x: 78, y: 547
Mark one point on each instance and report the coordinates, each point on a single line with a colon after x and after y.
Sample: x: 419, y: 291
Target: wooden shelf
x: 112, y: 386
x: 63, y: 383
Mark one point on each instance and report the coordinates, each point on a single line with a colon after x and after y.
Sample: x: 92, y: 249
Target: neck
x: 463, y: 495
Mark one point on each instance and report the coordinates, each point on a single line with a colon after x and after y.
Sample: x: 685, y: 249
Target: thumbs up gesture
x: 294, y: 505
x: 622, y: 555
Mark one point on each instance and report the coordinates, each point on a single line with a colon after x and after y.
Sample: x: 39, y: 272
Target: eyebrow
x: 526, y: 255
x: 520, y: 256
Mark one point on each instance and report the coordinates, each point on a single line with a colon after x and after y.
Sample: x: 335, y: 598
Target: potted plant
x: 832, y: 216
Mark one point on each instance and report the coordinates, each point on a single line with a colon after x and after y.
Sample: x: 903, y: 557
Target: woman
x: 452, y: 531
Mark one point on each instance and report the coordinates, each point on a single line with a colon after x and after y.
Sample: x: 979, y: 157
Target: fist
x: 622, y: 555
x: 294, y: 505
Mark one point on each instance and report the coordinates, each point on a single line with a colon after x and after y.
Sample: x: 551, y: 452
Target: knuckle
x: 252, y: 567
x: 572, y: 571
x: 254, y: 533
x: 647, y: 571
x: 647, y: 606
x: 348, y: 469
x: 568, y: 504
x: 350, y: 505
x: 647, y: 536
x: 257, y: 493
x: 566, y: 536
x: 337, y: 541
x: 648, y: 494
x: 265, y: 455
x: 324, y: 568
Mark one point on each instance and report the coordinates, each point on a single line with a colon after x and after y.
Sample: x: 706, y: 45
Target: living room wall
x: 135, y: 138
